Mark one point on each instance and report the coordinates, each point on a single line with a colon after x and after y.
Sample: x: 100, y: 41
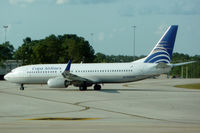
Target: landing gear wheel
x: 22, y: 87
x: 97, y: 87
x: 83, y: 88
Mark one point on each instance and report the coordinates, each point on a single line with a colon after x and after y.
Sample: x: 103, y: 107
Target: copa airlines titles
x: 45, y: 68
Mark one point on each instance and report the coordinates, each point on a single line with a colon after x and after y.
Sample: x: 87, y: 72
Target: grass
x: 189, y: 86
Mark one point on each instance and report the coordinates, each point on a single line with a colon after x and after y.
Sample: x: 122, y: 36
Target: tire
x: 97, y: 87
x: 83, y: 88
x: 22, y: 87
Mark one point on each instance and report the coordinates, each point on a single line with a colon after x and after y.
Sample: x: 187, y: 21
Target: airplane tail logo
x: 163, y: 50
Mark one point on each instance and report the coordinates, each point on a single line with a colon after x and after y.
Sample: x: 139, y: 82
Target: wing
x: 72, y: 77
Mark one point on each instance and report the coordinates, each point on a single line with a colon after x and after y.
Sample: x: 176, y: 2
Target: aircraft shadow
x: 143, y: 90
x: 119, y: 90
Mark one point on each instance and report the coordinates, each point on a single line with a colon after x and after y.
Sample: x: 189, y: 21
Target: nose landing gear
x: 22, y: 87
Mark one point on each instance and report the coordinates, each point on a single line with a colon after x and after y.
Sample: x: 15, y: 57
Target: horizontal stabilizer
x: 183, y: 63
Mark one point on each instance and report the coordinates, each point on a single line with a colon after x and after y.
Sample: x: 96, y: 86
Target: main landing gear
x: 22, y: 87
x: 97, y: 87
x: 84, y: 87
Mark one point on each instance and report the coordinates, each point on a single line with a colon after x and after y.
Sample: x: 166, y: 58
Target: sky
x: 106, y: 24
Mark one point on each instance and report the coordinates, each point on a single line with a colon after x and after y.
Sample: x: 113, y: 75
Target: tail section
x: 162, y: 52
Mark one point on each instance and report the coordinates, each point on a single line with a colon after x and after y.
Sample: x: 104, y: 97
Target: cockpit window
x: 13, y: 70
x: 19, y: 69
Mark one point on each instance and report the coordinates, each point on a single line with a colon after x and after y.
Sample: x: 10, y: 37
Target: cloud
x: 84, y: 1
x: 101, y: 36
x: 9, y: 27
x: 160, y: 7
x: 22, y: 3
x: 60, y: 2
x: 17, y: 22
x: 183, y: 7
x: 111, y: 35
x: 161, y: 29
x: 120, y: 29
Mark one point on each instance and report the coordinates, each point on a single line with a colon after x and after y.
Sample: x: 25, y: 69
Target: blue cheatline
x: 163, y: 50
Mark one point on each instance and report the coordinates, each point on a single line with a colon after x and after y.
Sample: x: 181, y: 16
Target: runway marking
x: 49, y: 100
x: 139, y: 116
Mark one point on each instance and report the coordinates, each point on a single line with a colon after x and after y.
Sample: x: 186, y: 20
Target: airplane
x: 84, y: 75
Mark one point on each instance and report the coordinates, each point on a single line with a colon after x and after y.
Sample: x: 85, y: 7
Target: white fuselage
x: 96, y: 72
x: 87, y: 74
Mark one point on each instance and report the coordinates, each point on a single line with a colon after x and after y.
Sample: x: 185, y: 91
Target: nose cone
x: 11, y: 77
x: 6, y: 77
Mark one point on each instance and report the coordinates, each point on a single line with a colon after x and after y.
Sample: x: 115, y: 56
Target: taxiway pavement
x: 151, y: 105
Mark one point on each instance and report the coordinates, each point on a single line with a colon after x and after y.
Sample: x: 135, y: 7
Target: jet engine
x: 58, y: 82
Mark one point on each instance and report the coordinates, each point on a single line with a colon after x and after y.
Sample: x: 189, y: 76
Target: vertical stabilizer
x: 163, y: 50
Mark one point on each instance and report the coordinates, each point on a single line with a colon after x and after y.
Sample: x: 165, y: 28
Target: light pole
x: 5, y: 29
x: 134, y: 28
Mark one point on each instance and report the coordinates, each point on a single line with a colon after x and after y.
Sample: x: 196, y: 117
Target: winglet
x: 68, y: 65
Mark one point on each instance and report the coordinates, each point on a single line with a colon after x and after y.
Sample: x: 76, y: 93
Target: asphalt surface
x: 152, y: 105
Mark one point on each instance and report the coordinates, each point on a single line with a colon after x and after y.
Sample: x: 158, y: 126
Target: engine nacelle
x: 58, y: 82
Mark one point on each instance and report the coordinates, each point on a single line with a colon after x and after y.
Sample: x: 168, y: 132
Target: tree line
x: 61, y: 48
x: 55, y: 49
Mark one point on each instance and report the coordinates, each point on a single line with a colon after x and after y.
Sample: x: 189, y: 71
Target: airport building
x: 7, y: 66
